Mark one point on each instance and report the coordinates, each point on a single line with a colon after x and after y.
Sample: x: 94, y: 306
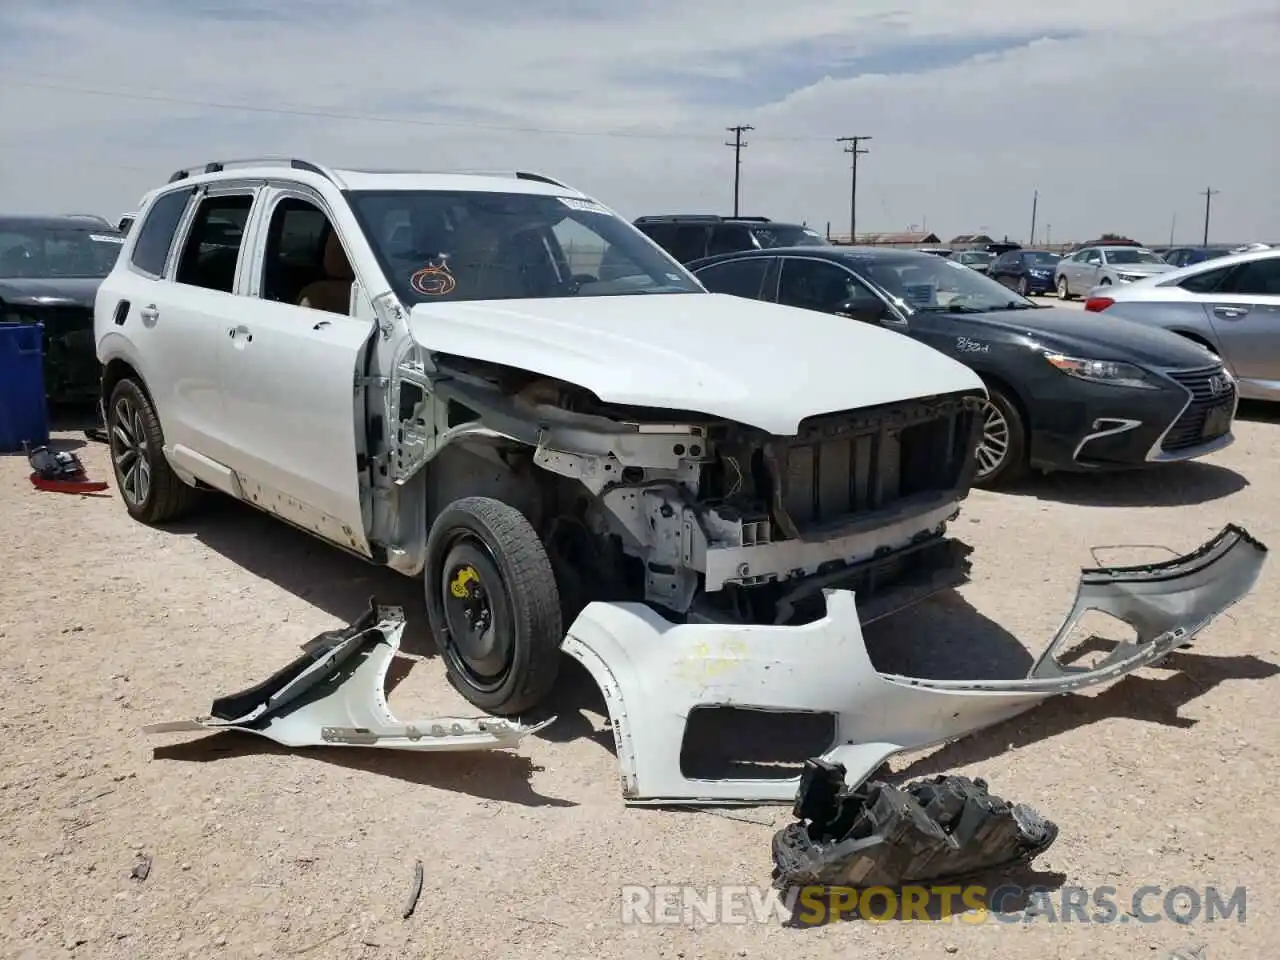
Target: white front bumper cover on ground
x: 653, y: 673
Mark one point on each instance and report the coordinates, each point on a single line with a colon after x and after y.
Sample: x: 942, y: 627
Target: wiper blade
x: 1014, y: 305
x: 952, y: 308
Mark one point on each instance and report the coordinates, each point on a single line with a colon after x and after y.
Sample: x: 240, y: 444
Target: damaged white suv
x: 499, y: 385
x: 495, y: 382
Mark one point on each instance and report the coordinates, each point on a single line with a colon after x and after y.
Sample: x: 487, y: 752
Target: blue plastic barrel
x: 23, y: 412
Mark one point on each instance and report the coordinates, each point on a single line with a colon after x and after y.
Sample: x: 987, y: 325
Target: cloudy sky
x: 1119, y: 113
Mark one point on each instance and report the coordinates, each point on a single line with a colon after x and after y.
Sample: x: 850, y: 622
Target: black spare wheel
x: 493, y: 605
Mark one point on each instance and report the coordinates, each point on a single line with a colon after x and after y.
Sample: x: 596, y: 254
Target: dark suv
x: 692, y: 237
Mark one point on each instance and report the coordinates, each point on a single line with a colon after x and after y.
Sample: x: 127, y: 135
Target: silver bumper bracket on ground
x: 334, y: 695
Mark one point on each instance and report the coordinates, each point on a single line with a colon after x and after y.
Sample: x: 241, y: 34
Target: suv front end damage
x: 654, y: 673
x: 701, y: 518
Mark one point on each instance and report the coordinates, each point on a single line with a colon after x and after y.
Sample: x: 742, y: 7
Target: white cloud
x: 1117, y: 113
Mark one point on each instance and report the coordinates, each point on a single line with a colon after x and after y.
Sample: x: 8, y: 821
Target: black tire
x: 152, y: 493
x: 1024, y: 287
x: 491, y: 551
x: 1014, y: 466
x: 1063, y: 293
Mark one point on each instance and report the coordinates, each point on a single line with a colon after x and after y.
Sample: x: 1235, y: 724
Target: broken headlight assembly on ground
x: 654, y: 673
x: 880, y: 835
x: 334, y: 695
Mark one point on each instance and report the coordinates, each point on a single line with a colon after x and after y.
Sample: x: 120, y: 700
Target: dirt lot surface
x: 1163, y: 779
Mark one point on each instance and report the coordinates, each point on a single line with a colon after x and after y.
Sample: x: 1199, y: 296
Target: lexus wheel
x: 1024, y: 287
x: 1063, y: 292
x: 151, y: 491
x: 1002, y: 447
x: 493, y: 605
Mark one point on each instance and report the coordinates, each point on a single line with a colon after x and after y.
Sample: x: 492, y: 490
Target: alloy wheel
x: 130, y: 453
x: 993, y: 448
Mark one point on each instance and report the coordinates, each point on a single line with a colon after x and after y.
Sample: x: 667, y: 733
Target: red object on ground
x: 67, y: 486
x: 1098, y: 304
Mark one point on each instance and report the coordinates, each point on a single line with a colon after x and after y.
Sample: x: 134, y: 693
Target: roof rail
x: 217, y: 166
x: 540, y: 178
x: 751, y: 219
x: 686, y: 217
x: 87, y: 216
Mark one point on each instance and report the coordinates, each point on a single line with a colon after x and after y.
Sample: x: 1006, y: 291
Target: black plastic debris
x: 878, y: 834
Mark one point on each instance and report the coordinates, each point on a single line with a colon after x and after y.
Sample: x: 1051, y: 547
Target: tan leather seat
x: 333, y: 294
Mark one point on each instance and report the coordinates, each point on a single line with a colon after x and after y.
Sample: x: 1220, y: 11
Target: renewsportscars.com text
x: 969, y: 904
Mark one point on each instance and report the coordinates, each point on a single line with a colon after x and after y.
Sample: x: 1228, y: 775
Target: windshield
x: 1041, y: 258
x: 56, y: 252
x: 1132, y: 255
x: 923, y: 283
x: 776, y: 235
x: 475, y: 245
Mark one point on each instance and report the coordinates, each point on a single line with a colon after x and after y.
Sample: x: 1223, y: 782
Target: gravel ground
x: 259, y: 851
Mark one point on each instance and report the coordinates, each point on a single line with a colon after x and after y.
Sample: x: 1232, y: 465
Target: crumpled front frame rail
x: 335, y: 695
x: 654, y: 673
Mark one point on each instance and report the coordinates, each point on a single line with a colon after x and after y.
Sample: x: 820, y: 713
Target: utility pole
x: 1035, y: 200
x: 737, y: 143
x: 1173, y: 225
x: 1209, y: 194
x: 854, y: 152
x: 1048, y: 234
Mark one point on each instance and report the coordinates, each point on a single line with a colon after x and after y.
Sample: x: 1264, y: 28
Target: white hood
x: 755, y: 363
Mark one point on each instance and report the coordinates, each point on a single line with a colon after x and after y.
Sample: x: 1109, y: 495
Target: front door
x: 288, y: 374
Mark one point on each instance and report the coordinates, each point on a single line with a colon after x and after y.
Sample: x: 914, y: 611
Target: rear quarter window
x: 155, y: 235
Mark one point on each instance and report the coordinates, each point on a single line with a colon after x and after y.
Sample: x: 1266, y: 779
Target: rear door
x: 288, y: 375
x: 184, y: 316
x: 1244, y: 311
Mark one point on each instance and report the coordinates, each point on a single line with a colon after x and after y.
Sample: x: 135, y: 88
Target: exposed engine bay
x: 706, y: 520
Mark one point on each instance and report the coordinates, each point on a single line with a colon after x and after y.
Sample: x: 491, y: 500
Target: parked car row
x: 1228, y: 304
x: 1066, y: 390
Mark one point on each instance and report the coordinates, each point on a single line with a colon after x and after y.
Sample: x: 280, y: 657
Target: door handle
x: 1230, y: 313
x: 149, y: 313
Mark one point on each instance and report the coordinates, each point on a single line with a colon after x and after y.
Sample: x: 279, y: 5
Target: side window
x: 729, y: 239
x: 295, y: 250
x: 818, y: 285
x: 741, y: 278
x: 155, y: 236
x: 213, y: 243
x: 1256, y: 278
x: 689, y: 242
x: 1093, y: 256
x: 663, y: 234
x: 1207, y: 281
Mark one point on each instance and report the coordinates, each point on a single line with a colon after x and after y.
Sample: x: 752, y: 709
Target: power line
x: 323, y: 113
x: 1209, y: 194
x: 737, y: 143
x: 854, y: 152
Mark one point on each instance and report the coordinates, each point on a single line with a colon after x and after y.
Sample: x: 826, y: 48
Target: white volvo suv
x: 495, y: 383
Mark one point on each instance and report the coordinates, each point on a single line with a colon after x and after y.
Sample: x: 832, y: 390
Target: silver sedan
x: 1230, y: 305
x: 1104, y: 265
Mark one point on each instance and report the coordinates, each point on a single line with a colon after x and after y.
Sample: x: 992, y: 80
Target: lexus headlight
x: 1111, y: 372
x: 1130, y: 277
